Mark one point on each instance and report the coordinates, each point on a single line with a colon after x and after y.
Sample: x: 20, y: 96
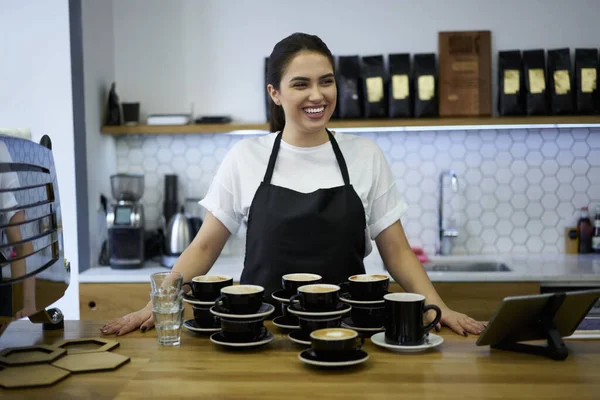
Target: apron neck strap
x: 336, y: 149
x: 339, y: 157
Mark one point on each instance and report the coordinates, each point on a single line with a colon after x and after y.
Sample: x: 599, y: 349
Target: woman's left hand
x: 459, y: 323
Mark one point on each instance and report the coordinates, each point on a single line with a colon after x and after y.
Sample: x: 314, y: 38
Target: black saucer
x: 282, y: 296
x: 300, y: 337
x: 264, y: 310
x: 348, y: 322
x: 351, y: 358
x: 192, y: 325
x: 188, y: 298
x: 340, y: 308
x: 346, y: 296
x: 221, y: 339
x: 286, y: 322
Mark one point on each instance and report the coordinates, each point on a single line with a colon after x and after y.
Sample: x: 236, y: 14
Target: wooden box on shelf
x: 465, y: 77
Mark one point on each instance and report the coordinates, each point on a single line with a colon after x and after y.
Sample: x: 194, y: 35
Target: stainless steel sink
x: 466, y: 267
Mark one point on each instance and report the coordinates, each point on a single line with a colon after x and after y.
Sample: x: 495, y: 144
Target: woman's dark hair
x: 282, y: 55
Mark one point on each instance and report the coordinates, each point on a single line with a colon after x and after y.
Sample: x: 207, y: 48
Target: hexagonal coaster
x: 31, y: 376
x: 86, y: 345
x: 91, y: 362
x: 38, y: 354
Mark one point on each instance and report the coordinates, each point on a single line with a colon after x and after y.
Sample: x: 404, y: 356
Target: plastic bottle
x: 596, y: 237
x: 585, y: 231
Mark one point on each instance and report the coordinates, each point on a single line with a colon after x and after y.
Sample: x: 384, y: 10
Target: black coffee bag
x: 425, y: 75
x: 586, y: 78
x: 374, y: 81
x: 534, y: 69
x: 560, y: 79
x: 399, y: 86
x: 113, y: 114
x: 511, y: 99
x: 349, y: 101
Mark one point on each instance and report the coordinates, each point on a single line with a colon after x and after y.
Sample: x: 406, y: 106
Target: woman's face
x: 307, y: 92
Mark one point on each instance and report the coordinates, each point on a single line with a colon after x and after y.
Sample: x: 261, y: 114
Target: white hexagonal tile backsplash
x: 518, y: 189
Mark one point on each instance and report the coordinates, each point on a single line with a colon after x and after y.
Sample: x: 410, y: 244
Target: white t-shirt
x: 305, y: 169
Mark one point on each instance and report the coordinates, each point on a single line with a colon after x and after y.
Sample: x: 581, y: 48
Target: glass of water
x: 166, y: 282
x: 168, y: 317
x: 167, y: 307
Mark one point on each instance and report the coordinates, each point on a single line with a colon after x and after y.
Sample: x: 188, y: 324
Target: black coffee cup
x: 291, y: 282
x: 368, y: 316
x: 404, y: 318
x: 242, y: 330
x: 240, y: 299
x: 318, y: 297
x: 335, y: 343
x: 309, y: 324
x: 208, y: 287
x: 366, y: 287
x: 203, y: 316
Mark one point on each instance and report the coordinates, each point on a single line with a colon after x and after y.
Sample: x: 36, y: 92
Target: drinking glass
x: 167, y: 307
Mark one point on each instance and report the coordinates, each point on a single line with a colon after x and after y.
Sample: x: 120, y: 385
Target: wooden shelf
x: 374, y: 124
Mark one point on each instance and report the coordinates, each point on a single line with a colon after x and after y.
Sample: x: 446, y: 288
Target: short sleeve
x: 223, y: 197
x: 386, y: 205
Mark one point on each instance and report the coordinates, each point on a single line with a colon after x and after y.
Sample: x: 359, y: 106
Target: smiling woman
x: 315, y: 200
x: 301, y: 84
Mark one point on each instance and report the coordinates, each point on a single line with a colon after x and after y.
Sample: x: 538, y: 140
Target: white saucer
x: 277, y: 322
x: 218, y: 338
x: 308, y: 356
x: 263, y: 311
x: 192, y: 325
x: 341, y: 309
x: 431, y: 341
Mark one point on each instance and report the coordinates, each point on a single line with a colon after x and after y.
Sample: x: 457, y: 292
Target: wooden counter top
x: 199, y: 369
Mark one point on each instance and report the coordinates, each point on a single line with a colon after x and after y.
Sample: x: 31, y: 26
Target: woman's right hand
x: 143, y: 319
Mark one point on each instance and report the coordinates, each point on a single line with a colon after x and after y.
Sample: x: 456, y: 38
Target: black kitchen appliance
x: 125, y: 222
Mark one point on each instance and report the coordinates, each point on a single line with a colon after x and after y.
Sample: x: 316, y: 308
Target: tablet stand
x: 556, y: 348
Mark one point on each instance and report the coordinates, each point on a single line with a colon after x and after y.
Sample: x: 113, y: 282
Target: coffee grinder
x: 125, y: 222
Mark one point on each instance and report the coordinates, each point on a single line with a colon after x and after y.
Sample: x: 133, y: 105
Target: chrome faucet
x: 444, y: 239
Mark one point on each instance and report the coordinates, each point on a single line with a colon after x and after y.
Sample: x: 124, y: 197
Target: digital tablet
x: 517, y: 318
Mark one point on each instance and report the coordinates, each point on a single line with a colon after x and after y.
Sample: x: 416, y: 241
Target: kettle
x: 179, y: 234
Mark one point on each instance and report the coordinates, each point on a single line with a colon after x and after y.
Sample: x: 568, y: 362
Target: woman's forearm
x: 403, y: 265
x: 204, y: 250
x: 407, y: 270
x: 195, y: 260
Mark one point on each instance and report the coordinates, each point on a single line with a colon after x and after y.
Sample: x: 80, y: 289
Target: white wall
x: 35, y: 93
x: 99, y: 73
x: 210, y: 52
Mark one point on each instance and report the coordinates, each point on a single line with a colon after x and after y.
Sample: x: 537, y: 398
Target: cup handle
x: 221, y: 302
x: 187, y: 284
x: 362, y: 342
x: 295, y: 298
x: 344, y: 287
x: 438, y: 316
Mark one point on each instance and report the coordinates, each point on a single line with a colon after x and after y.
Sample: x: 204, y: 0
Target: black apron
x: 322, y: 232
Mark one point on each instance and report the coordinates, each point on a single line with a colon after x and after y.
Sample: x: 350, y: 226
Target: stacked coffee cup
x: 290, y: 284
x: 365, y: 293
x: 317, y: 306
x: 242, y: 313
x: 204, y: 291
